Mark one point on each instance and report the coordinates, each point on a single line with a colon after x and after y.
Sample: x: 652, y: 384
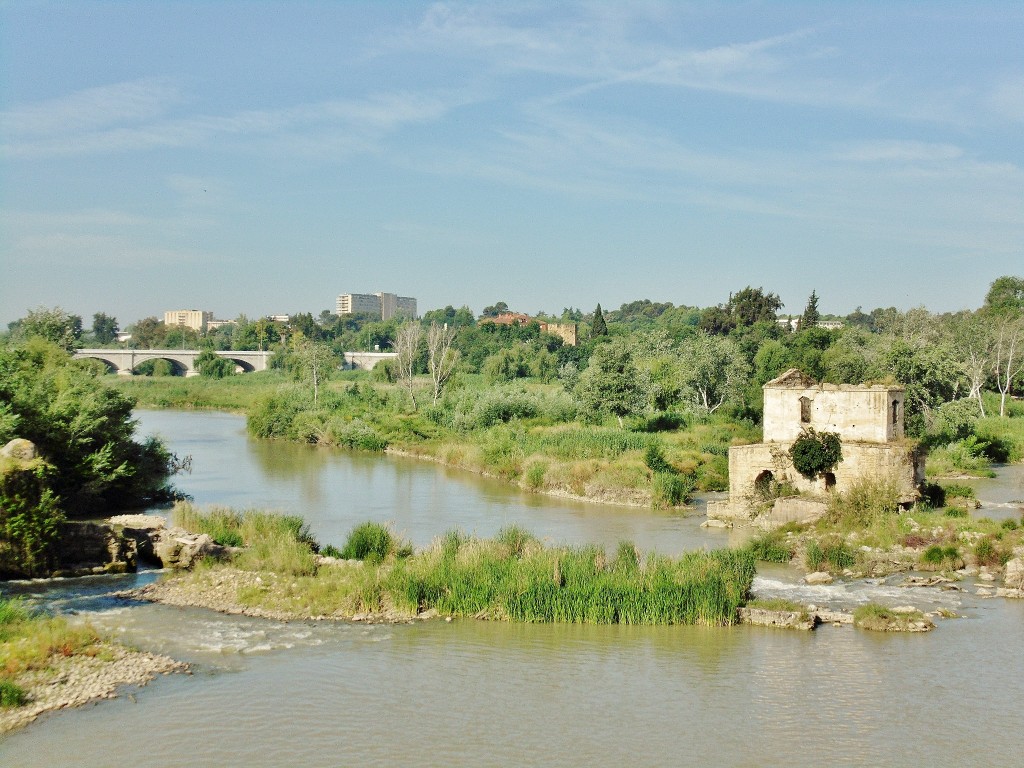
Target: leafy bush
x: 654, y: 458
x: 957, y: 490
x: 30, y: 518
x: 956, y: 512
x: 814, y: 453
x: 660, y: 421
x: 534, y: 476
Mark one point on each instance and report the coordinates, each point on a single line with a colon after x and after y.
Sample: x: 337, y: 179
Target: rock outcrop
x: 21, y: 449
x: 86, y: 548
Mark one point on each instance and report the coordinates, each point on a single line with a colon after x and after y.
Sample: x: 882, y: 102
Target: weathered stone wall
x: 747, y: 463
x: 864, y: 414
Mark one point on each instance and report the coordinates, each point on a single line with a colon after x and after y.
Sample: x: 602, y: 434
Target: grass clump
x: 881, y: 619
x: 514, y: 577
x: 988, y: 552
x: 11, y: 694
x: 670, y: 489
x: 771, y: 547
x: 29, y: 640
x: 938, y: 557
x: 369, y: 541
x: 271, y: 542
x: 831, y: 554
x: 777, y: 604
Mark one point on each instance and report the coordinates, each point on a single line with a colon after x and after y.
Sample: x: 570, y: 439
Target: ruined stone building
x: 869, y: 420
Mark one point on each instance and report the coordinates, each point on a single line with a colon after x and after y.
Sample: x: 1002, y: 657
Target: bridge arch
x: 241, y: 366
x: 179, y: 368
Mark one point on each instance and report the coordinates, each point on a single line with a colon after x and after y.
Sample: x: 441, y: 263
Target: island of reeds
x: 279, y: 570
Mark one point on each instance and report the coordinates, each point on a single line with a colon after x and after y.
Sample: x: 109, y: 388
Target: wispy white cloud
x: 93, y: 108
x: 363, y: 118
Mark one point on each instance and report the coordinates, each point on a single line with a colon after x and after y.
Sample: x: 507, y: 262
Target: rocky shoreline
x: 71, y: 681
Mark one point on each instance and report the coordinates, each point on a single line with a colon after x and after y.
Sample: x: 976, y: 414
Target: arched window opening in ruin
x: 805, y: 410
x: 830, y: 481
x: 763, y: 484
x: 895, y: 411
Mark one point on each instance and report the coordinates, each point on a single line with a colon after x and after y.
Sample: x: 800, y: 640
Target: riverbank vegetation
x: 75, y: 452
x: 29, y: 641
x: 864, y: 533
x: 512, y: 577
x: 643, y: 409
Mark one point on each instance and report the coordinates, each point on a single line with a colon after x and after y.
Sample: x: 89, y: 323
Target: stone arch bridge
x: 124, y: 361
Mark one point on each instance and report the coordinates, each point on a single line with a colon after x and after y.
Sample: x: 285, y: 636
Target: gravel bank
x: 71, y: 681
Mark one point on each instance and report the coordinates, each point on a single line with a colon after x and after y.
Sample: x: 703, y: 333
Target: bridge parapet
x: 124, y: 361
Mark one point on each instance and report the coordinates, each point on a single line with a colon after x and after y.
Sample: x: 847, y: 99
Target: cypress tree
x: 599, y: 326
x: 811, y: 316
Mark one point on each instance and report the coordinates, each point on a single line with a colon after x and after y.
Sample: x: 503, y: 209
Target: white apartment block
x: 383, y: 305
x: 196, y: 319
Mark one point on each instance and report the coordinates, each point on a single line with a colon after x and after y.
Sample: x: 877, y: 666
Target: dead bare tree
x: 441, y: 358
x: 407, y: 342
x: 1008, y: 357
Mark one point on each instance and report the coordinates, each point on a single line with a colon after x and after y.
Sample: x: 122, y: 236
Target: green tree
x: 148, y: 333
x: 495, y: 310
x: 81, y: 427
x: 315, y: 360
x: 811, y: 316
x: 753, y: 305
x: 213, y: 366
x: 104, y: 328
x: 598, y: 327
x: 612, y: 383
x: 713, y: 371
x: 1006, y: 294
x: 54, y: 325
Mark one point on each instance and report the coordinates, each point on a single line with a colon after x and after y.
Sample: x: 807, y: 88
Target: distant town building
x: 382, y: 305
x: 793, y: 323
x: 279, y: 318
x: 569, y: 332
x: 196, y: 319
x: 214, y: 324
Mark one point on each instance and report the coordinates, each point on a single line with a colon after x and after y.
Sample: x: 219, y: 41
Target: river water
x: 474, y: 693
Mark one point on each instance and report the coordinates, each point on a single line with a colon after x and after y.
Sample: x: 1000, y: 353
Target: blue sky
x: 262, y: 157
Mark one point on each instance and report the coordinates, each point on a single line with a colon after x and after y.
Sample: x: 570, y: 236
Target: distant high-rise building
x: 382, y: 305
x: 196, y: 319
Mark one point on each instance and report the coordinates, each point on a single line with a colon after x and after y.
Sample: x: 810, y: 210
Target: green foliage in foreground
x: 82, y: 428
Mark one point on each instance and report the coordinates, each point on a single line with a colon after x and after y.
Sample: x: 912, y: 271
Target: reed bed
x: 512, y: 577
x: 580, y: 585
